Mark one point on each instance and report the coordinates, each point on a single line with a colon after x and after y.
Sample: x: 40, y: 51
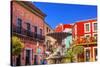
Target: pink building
x: 28, y: 24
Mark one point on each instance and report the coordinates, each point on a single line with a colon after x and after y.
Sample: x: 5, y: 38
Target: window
x: 19, y: 22
x: 95, y: 50
x: 87, y: 35
x: 19, y: 25
x: 95, y: 26
x: 87, y: 55
x: 95, y: 35
x: 35, y: 29
x: 87, y: 27
x: 28, y: 26
x: 28, y: 31
x: 41, y: 31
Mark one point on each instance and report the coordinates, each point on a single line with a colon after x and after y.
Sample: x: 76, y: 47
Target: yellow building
x: 49, y: 41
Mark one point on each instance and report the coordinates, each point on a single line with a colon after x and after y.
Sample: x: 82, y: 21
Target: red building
x: 85, y: 33
x: 28, y: 24
x: 63, y: 28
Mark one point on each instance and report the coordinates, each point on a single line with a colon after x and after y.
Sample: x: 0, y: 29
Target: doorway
x: 18, y: 60
x: 35, y: 60
x: 28, y: 52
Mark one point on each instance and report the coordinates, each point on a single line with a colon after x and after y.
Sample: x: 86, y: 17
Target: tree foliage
x: 70, y: 55
x: 17, y: 45
x: 78, y: 50
x: 72, y: 52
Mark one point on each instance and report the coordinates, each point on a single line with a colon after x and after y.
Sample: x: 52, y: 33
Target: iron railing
x: 22, y: 31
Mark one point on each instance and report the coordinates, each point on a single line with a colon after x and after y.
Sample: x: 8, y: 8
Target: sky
x: 66, y: 13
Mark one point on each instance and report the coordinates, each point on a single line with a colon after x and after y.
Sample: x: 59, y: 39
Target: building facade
x: 49, y: 41
x: 28, y: 24
x: 84, y: 33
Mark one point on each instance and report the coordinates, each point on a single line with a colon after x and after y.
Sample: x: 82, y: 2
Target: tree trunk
x: 71, y: 59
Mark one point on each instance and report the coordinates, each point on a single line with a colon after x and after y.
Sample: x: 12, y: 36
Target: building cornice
x: 82, y: 21
x: 32, y: 8
x: 49, y: 26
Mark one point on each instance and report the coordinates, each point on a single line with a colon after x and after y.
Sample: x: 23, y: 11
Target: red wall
x: 80, y: 28
x: 81, y: 32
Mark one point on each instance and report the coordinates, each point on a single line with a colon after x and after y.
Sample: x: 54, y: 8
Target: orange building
x: 28, y: 24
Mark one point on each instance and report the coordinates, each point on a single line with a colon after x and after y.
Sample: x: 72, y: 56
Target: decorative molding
x: 94, y: 53
x: 87, y: 34
x: 85, y: 27
x: 93, y: 26
x: 31, y: 10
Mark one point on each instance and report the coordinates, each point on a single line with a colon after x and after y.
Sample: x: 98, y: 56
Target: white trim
x: 87, y: 34
x: 85, y: 52
x: 94, y: 53
x: 93, y: 26
x: 85, y: 27
x: 75, y: 30
x: 94, y: 36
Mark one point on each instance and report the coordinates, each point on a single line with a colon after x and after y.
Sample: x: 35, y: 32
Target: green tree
x: 70, y: 55
x: 16, y: 46
x: 74, y: 51
x: 78, y: 50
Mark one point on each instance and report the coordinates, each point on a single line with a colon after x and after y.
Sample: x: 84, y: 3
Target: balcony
x: 85, y: 41
x: 39, y: 36
x: 26, y: 33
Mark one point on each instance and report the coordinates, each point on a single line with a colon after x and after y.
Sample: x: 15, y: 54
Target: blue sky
x: 66, y: 13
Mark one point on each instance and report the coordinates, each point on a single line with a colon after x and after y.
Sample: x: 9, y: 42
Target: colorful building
x: 84, y: 33
x: 68, y: 29
x: 28, y: 24
x: 49, y: 41
x: 41, y: 41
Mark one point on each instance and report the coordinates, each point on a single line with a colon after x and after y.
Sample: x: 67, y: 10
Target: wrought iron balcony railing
x: 82, y: 41
x: 22, y: 31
